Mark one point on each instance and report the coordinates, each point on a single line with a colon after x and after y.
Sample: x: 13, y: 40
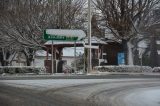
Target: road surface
x: 80, y: 92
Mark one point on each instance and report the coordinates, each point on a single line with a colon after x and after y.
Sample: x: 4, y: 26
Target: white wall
x: 39, y: 61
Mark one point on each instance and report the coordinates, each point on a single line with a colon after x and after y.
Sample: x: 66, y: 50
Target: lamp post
x: 89, y: 37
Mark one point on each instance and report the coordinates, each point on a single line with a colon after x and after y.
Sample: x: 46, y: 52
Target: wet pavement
x: 80, y: 92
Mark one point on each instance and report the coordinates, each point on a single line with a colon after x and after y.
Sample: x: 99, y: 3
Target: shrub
x: 21, y: 69
x: 1, y: 70
x: 124, y: 68
x: 156, y: 69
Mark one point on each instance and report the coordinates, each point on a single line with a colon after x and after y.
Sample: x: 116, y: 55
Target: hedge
x: 124, y: 68
x: 21, y: 69
x: 156, y: 70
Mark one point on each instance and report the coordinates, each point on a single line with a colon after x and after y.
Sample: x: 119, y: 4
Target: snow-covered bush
x: 21, y: 69
x: 1, y: 70
x: 124, y: 68
x: 156, y: 69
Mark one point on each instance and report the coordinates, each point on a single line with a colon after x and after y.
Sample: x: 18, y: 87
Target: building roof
x: 41, y: 53
x: 62, y: 42
x: 95, y: 40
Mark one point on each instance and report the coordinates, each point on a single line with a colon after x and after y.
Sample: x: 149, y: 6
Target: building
x: 58, y: 47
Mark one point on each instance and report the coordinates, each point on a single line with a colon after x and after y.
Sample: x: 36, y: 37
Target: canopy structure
x: 64, y: 35
x: 94, y: 40
x: 58, y: 46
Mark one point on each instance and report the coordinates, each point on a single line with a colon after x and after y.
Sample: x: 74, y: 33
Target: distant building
x: 19, y: 60
x: 40, y: 56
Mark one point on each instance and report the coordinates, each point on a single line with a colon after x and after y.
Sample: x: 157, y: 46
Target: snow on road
x: 45, y: 84
x: 121, y: 92
x: 145, y: 97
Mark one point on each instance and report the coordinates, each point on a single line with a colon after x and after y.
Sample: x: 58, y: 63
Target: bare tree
x: 149, y: 28
x: 22, y: 21
x: 124, y: 18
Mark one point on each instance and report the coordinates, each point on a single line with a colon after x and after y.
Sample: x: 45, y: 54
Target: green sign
x: 59, y: 37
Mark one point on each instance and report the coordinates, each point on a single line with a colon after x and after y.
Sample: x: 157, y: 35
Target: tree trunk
x: 28, y: 62
x: 130, y: 53
x: 1, y: 58
x: 136, y: 57
x: 154, y: 54
x: 29, y: 58
x: 125, y: 50
x: 4, y: 57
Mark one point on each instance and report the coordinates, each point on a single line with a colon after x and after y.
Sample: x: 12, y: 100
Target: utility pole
x: 52, y: 60
x: 89, y: 37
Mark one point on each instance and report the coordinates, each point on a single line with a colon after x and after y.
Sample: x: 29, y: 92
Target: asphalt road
x: 68, y: 76
x: 80, y: 92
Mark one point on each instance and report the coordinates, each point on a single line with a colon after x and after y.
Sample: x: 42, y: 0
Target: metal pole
x: 54, y: 60
x: 52, y: 56
x: 89, y: 37
x: 75, y: 64
x: 141, y: 61
x: 84, y: 60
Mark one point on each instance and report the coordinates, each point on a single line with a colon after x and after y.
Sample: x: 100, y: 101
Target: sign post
x: 63, y: 35
x: 52, y: 57
x: 75, y: 67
